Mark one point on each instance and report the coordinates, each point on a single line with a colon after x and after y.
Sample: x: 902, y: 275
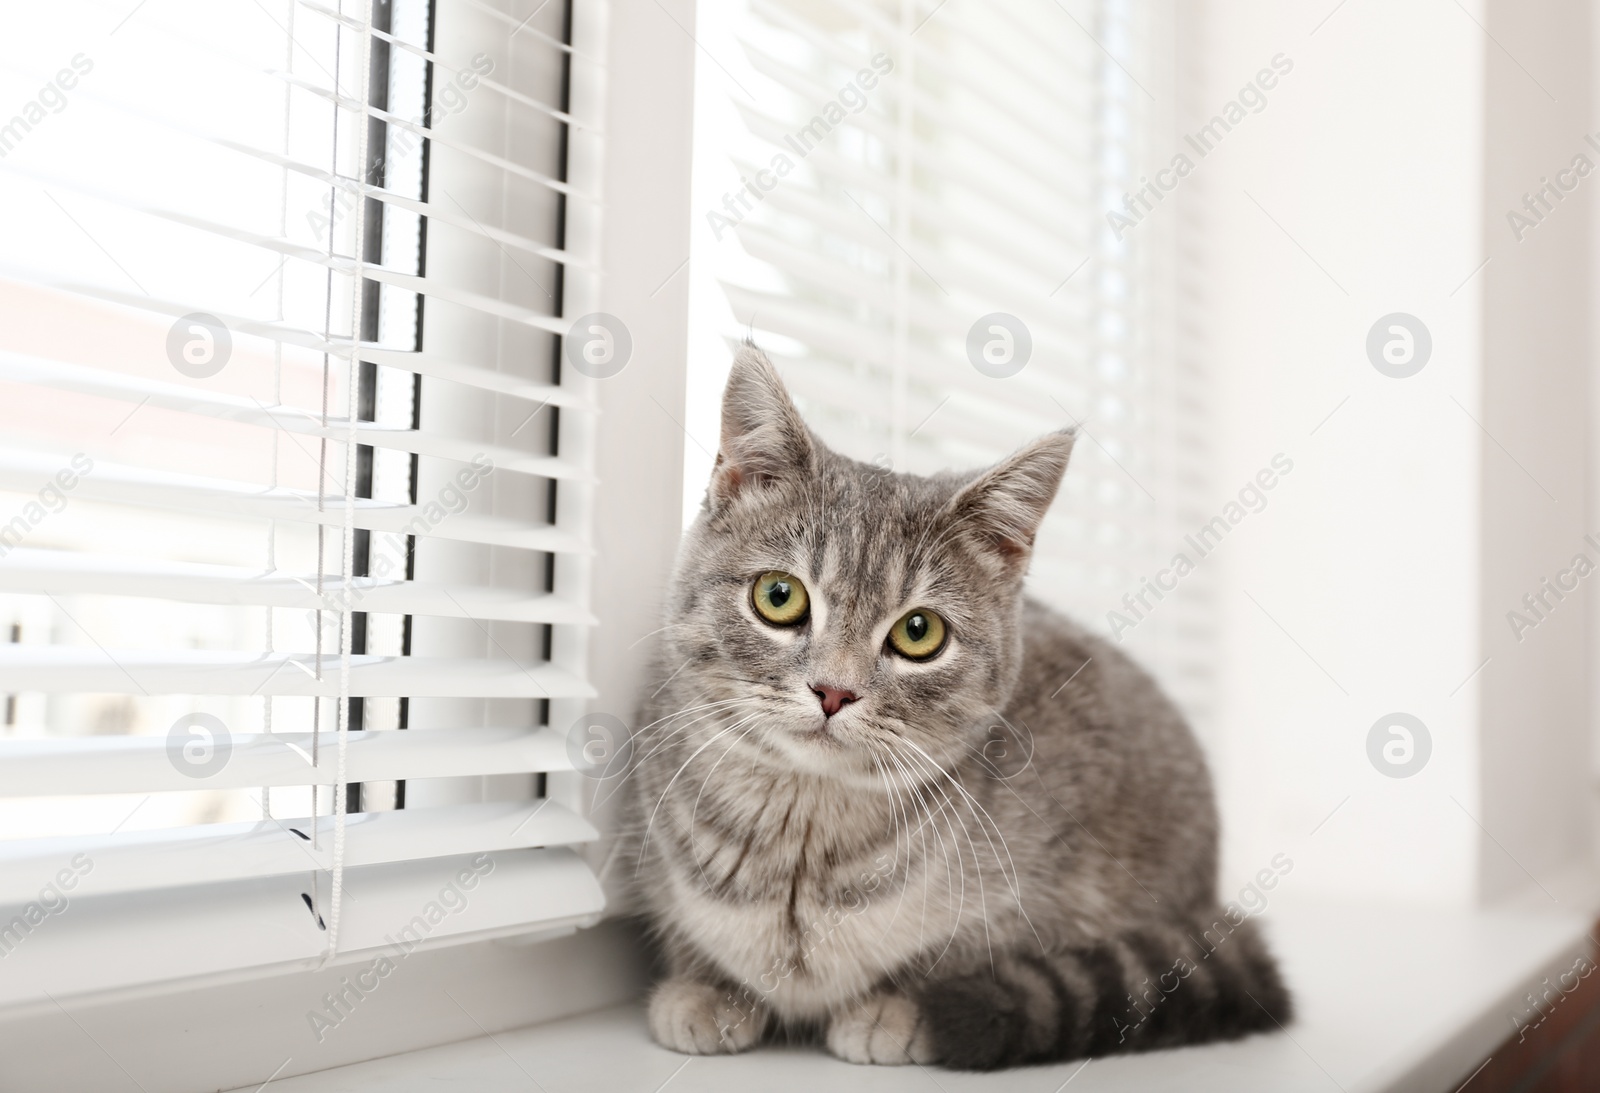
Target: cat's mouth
x: 843, y: 748
x: 824, y: 733
x: 822, y: 746
x: 822, y: 737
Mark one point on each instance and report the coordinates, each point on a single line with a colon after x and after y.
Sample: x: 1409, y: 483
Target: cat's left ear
x: 1005, y: 504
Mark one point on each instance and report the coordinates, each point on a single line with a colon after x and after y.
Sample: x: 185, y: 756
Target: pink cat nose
x: 833, y: 699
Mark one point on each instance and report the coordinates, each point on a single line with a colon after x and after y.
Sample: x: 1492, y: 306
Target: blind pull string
x: 346, y: 629
x: 322, y: 470
x: 277, y: 374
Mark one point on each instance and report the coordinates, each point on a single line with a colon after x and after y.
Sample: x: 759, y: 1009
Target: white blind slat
x: 61, y: 376
x: 1004, y: 232
x: 55, y: 767
x: 265, y: 925
x: 70, y: 669
x: 136, y: 861
x: 499, y: 163
x: 73, y: 573
x: 23, y: 470
x: 335, y: 262
x: 471, y: 374
x: 930, y: 311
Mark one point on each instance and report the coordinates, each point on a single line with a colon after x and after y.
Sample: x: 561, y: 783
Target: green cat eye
x: 918, y: 635
x: 780, y: 598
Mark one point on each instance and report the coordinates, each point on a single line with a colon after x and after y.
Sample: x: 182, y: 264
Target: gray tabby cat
x: 885, y: 799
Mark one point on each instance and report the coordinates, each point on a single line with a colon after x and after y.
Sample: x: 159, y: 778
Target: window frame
x: 636, y: 87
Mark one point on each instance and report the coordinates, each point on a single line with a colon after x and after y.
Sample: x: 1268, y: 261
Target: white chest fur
x: 804, y: 957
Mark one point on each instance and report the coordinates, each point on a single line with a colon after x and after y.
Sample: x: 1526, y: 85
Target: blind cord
x: 346, y: 628
x: 277, y: 371
x: 322, y: 472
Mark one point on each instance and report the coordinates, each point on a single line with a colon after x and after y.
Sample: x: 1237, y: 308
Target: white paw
x: 699, y: 1019
x: 883, y: 1029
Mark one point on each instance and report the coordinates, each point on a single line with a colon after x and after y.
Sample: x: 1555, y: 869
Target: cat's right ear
x: 764, y: 439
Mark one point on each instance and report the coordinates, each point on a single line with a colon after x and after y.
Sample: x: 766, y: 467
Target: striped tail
x: 1147, y: 989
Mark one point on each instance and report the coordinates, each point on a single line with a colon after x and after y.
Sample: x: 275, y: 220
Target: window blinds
x: 294, y: 514
x: 915, y: 228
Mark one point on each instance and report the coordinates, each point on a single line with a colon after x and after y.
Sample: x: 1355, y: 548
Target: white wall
x: 1375, y: 181
x: 1534, y: 734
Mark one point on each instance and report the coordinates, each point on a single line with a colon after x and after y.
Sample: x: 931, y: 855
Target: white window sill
x: 1389, y: 999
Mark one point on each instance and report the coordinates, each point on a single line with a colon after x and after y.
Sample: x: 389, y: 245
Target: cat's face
x: 842, y: 618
